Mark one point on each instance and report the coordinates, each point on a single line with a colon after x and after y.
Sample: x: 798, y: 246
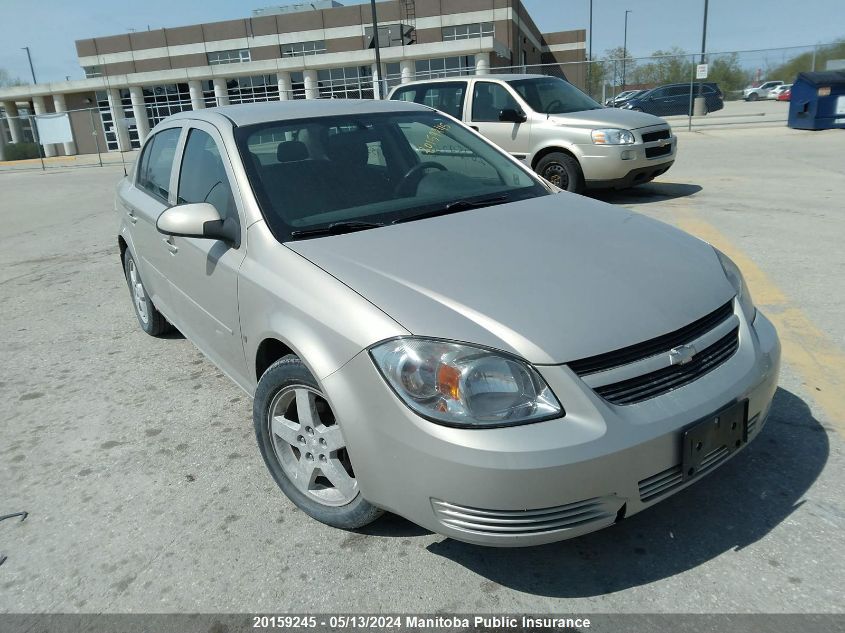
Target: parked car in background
x: 785, y: 95
x: 753, y: 93
x: 675, y: 99
x: 775, y: 92
x: 621, y: 98
x: 553, y: 127
x: 427, y: 327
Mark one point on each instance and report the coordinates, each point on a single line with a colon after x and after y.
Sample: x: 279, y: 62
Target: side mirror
x: 512, y: 115
x: 198, y: 219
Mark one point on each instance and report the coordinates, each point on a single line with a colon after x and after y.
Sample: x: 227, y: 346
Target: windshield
x: 360, y: 171
x: 552, y: 95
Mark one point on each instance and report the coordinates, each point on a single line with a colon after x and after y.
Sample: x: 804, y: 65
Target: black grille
x: 659, y: 382
x: 650, y: 137
x: 657, y: 345
x: 654, y: 152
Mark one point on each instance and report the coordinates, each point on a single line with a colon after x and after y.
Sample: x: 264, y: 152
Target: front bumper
x: 618, y: 166
x: 543, y: 482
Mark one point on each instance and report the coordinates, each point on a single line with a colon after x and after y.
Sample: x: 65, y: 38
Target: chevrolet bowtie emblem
x: 681, y: 355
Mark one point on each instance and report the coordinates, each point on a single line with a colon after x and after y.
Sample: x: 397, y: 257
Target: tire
x: 562, y: 170
x: 307, y: 457
x: 753, y: 96
x: 149, y: 318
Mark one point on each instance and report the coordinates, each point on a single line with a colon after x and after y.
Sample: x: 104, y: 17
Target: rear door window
x: 447, y: 97
x: 157, y: 163
x: 488, y: 99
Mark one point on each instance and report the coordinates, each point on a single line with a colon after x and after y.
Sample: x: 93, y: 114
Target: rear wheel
x: 562, y: 170
x: 304, y: 449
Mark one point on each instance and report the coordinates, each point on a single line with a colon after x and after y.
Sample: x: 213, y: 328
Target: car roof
x: 496, y: 77
x: 252, y: 113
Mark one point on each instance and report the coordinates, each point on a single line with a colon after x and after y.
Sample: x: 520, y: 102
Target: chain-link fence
x: 736, y: 89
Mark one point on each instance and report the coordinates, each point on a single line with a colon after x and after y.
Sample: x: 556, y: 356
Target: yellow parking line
x: 807, y: 350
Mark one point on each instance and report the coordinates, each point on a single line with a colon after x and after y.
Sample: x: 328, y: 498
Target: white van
x: 546, y: 122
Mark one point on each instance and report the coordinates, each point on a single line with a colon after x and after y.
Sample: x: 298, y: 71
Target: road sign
x: 701, y: 71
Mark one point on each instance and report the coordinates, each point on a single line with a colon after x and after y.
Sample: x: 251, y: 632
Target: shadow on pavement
x: 735, y: 506
x: 649, y: 192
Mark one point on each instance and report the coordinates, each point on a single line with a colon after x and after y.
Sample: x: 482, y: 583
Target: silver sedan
x: 428, y: 328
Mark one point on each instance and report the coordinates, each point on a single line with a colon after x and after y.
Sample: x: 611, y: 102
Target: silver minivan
x: 550, y: 125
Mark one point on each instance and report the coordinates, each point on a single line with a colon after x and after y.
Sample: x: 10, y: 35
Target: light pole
x: 590, y: 54
x: 29, y: 57
x: 378, y: 53
x: 625, y: 48
x: 704, y: 32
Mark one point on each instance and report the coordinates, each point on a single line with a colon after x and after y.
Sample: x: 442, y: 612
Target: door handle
x: 168, y: 241
x: 131, y: 214
x: 474, y: 127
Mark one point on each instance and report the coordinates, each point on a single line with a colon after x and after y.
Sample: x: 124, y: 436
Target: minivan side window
x: 202, y: 177
x: 447, y: 97
x: 157, y: 163
x: 488, y: 99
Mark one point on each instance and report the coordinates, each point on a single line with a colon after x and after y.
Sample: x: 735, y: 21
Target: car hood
x: 552, y: 279
x: 608, y: 117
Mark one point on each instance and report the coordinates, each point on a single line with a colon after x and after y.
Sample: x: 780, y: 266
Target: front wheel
x: 304, y: 449
x: 562, y: 170
x: 149, y: 318
x: 753, y: 96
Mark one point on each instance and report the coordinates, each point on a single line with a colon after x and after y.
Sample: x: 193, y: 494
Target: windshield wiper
x: 452, y: 207
x: 336, y: 228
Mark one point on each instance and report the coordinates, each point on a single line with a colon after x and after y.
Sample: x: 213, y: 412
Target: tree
x: 787, y: 71
x: 7, y: 80
x: 664, y: 67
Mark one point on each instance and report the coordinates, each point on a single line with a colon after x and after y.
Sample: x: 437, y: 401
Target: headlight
x: 612, y: 136
x: 463, y: 385
x: 734, y: 275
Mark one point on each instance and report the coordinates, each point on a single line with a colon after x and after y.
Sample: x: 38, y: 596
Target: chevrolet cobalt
x: 427, y: 327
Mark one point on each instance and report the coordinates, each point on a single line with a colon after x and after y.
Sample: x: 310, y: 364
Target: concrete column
x: 119, y: 120
x: 139, y: 111
x: 197, y: 98
x: 312, y: 90
x: 221, y: 92
x: 378, y: 84
x: 285, y: 87
x: 408, y: 70
x: 59, y: 103
x: 41, y: 108
x: 482, y: 63
x: 15, y: 127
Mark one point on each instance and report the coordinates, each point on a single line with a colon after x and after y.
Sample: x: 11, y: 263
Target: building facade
x: 305, y: 51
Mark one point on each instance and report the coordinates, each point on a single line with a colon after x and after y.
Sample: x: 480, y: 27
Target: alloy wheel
x: 139, y: 295
x: 309, y: 446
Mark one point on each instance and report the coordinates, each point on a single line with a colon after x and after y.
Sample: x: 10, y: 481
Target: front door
x: 204, y: 272
x: 488, y: 100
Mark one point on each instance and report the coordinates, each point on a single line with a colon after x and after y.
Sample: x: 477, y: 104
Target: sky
x: 50, y: 27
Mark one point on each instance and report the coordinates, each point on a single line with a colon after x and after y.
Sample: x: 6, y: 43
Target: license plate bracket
x: 723, y: 431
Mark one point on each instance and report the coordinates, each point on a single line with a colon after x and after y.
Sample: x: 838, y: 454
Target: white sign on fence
x: 701, y: 71
x: 54, y: 128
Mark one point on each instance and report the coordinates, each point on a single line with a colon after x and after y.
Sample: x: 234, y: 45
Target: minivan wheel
x: 304, y: 449
x: 149, y: 318
x: 562, y: 170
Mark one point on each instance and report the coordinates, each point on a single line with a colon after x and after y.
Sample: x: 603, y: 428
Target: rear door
x: 488, y: 99
x: 143, y: 202
x: 204, y: 272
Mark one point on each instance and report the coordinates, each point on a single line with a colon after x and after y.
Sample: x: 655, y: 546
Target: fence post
x: 815, y: 47
x: 33, y: 124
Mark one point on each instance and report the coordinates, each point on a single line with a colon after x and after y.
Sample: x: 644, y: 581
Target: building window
x: 93, y: 71
x: 253, y: 89
x: 392, y: 74
x: 301, y: 49
x: 444, y: 67
x: 297, y: 85
x: 109, y: 128
x: 345, y: 83
x: 468, y: 31
x: 162, y: 101
x: 228, y: 57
